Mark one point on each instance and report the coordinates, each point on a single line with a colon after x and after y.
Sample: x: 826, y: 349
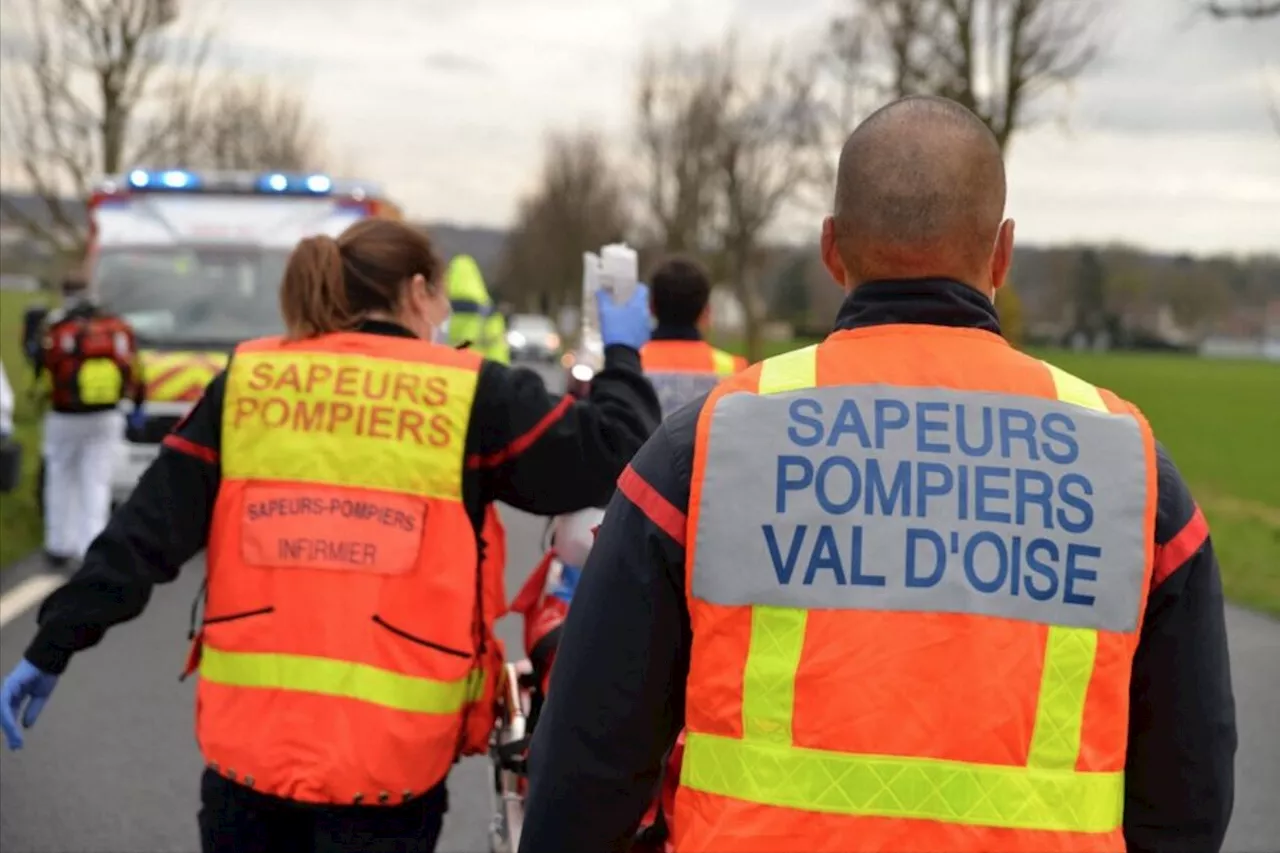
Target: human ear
x: 830, y: 254
x: 1002, y: 255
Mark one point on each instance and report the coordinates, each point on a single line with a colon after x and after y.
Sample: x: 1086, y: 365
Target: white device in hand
x: 590, y: 310
x: 619, y: 272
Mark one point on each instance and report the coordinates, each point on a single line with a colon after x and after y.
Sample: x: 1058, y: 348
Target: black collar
x: 675, y: 333
x: 384, y: 327
x: 923, y: 301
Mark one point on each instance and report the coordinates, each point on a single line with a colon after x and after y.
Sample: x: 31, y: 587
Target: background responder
x: 87, y: 362
x: 475, y: 319
x: 681, y: 365
x: 7, y: 403
x: 10, y: 451
x: 339, y: 480
x: 32, y: 327
x: 853, y: 672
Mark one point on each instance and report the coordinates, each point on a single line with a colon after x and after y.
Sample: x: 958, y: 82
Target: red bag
x: 90, y: 358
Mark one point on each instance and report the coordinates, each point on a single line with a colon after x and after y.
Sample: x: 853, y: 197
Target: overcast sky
x: 1167, y: 142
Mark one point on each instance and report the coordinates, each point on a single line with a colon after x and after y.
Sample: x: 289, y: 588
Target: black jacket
x: 665, y: 332
x: 618, y: 693
x: 524, y: 448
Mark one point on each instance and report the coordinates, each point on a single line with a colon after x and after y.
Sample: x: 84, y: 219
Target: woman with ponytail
x: 339, y: 476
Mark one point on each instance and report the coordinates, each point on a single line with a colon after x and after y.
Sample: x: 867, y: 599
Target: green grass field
x: 20, y: 528
x: 1220, y: 421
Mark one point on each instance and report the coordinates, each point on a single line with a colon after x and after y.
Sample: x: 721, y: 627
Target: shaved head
x: 920, y: 193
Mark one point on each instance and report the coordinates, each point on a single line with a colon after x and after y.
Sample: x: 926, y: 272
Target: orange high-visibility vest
x: 918, y: 562
x: 682, y: 371
x: 341, y: 650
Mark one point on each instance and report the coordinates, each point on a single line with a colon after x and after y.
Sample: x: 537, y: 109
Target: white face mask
x: 441, y: 333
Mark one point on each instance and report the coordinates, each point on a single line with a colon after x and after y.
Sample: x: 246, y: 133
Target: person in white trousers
x: 80, y: 449
x: 6, y: 404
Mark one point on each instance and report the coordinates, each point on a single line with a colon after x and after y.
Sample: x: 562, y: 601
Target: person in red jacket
x: 679, y: 362
x: 89, y: 356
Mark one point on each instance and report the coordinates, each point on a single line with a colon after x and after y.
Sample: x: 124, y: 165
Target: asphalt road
x: 113, y: 767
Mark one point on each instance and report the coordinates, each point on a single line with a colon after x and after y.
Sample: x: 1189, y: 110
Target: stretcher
x: 544, y: 603
x: 508, y: 753
x: 518, y: 706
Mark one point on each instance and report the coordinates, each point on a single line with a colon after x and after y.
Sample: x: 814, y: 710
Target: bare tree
x: 76, y: 92
x: 994, y: 56
x: 1251, y: 10
x: 579, y: 204
x: 678, y: 112
x: 773, y: 154
x: 252, y: 125
x: 1247, y: 9
x: 730, y: 144
x: 1273, y: 104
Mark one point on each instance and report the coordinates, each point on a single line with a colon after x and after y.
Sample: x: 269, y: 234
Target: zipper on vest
x: 411, y: 638
x: 231, y: 617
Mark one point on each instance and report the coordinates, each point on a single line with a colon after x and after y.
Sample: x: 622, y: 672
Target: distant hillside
x: 483, y: 244
x: 1139, y: 291
x: 1222, y: 294
x: 33, y: 208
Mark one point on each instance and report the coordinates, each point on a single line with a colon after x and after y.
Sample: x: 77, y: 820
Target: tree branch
x: 1252, y: 11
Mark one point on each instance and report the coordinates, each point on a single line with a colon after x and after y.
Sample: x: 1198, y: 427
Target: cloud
x: 1162, y: 70
x: 1167, y: 139
x: 16, y: 47
x: 456, y: 63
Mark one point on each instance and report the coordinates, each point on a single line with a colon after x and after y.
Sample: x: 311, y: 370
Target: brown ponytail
x: 313, y: 298
x: 330, y: 285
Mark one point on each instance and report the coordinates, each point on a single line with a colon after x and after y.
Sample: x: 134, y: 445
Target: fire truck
x: 194, y: 260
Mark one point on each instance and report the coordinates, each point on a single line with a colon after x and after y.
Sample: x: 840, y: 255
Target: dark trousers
x: 237, y: 819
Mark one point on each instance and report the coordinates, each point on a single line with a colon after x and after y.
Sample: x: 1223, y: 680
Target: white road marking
x: 26, y: 595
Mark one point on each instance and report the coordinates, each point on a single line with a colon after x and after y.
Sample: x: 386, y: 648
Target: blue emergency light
x: 268, y: 183
x: 170, y: 179
x: 280, y: 182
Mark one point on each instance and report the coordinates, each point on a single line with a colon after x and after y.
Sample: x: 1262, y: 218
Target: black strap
x: 545, y: 648
x: 195, y: 608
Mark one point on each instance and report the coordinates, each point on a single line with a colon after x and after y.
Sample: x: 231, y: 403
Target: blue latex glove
x: 137, y: 418
x: 28, y: 685
x: 627, y: 324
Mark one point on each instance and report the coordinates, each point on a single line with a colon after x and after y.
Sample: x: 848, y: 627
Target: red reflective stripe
x: 658, y: 509
x: 521, y: 444
x: 182, y: 445
x: 1173, y: 554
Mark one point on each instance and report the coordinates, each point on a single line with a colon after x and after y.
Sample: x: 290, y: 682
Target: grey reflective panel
x: 677, y: 389
x: 924, y: 499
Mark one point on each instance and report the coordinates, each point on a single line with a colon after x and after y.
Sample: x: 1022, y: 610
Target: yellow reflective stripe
x: 1069, y: 652
x: 1064, y: 682
x: 722, y: 362
x: 790, y: 371
x: 1072, y: 389
x: 777, y: 633
x: 340, y: 678
x: 178, y: 376
x: 769, y: 678
x: 888, y: 786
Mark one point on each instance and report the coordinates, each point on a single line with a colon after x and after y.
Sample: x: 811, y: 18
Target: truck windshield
x: 193, y: 296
